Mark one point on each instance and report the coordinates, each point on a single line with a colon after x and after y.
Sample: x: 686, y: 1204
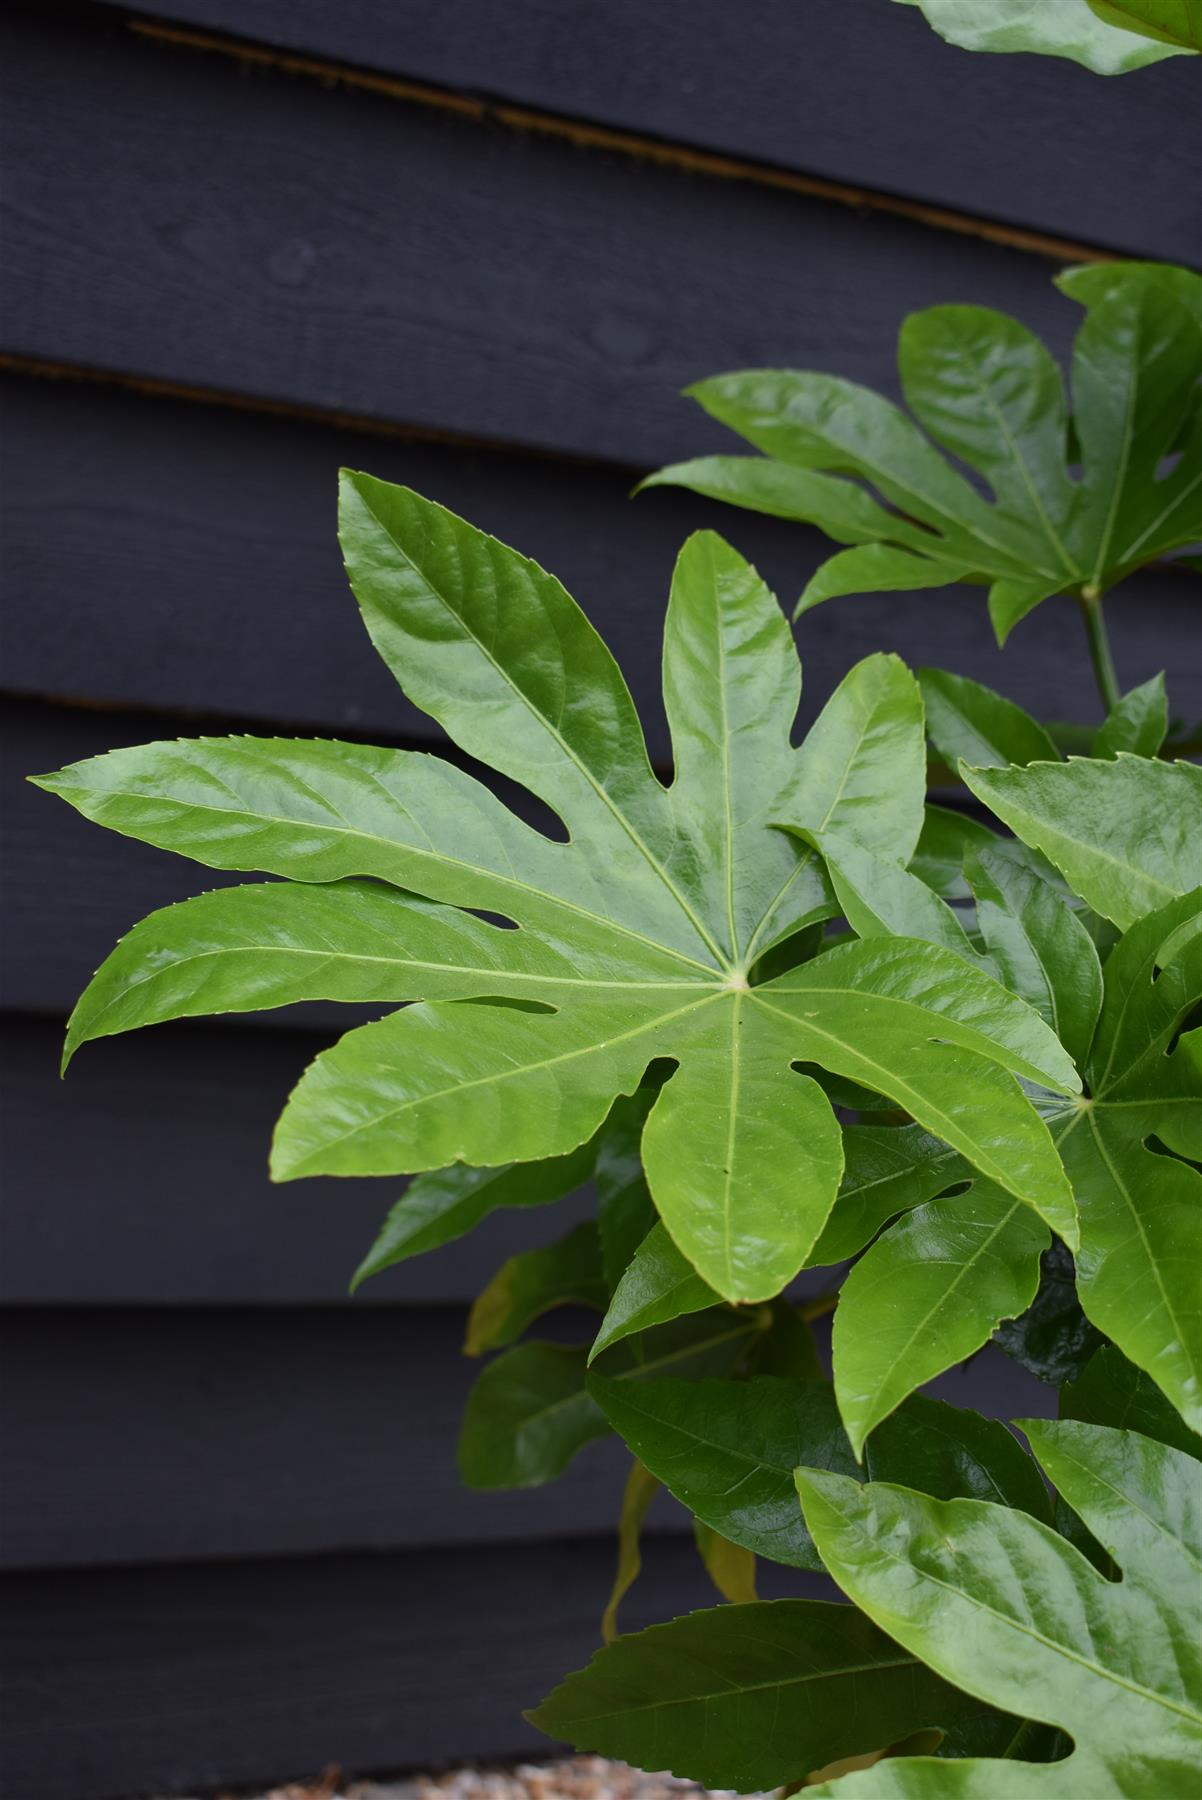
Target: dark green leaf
x: 970, y: 723
x: 946, y: 839
x: 1112, y: 1391
x: 1053, y: 1338
x: 532, y: 1283
x: 887, y: 1170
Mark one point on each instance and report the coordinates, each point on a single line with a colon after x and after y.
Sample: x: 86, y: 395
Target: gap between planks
x: 612, y: 139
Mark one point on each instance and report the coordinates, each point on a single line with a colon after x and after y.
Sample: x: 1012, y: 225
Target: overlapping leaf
x: 1000, y: 1603
x: 1108, y: 36
x: 980, y: 387
x: 631, y: 941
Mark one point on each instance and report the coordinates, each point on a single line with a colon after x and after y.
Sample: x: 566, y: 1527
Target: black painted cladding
x: 238, y: 1546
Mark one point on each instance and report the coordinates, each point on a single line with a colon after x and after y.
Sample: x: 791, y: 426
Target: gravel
x: 575, y: 1778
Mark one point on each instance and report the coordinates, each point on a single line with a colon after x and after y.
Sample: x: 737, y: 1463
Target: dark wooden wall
x: 478, y: 248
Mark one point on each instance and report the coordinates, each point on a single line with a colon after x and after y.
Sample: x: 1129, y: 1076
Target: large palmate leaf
x: 1000, y: 1603
x: 1108, y: 36
x: 632, y: 940
x: 980, y: 387
x: 758, y: 1696
x: 1126, y: 834
x: 728, y: 1449
x: 1140, y: 1207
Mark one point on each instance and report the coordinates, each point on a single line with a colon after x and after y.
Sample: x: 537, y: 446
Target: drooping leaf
x: 945, y: 841
x: 632, y: 937
x: 980, y: 387
x: 641, y: 1489
x: 1020, y: 1618
x: 532, y: 1283
x: 729, y: 1566
x: 887, y: 1170
x: 1053, y: 1338
x: 930, y: 1292
x: 1141, y: 1211
x: 970, y: 723
x: 660, y: 1284
x: 1081, y: 30
x: 1125, y: 834
x: 728, y: 1449
x: 1112, y: 1391
x: 1038, y: 946
x: 754, y: 1697
x: 438, y: 1207
x: 1139, y: 723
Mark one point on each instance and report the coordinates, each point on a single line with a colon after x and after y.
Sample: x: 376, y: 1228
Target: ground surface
x: 576, y: 1778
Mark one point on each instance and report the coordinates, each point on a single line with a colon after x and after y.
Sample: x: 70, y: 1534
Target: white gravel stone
x: 574, y: 1778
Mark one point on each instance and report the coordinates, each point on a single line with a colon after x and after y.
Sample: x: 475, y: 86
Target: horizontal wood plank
x: 184, y: 1679
x: 400, y: 264
x: 142, y: 1180
x: 851, y: 90
x: 167, y: 555
x: 159, y: 1434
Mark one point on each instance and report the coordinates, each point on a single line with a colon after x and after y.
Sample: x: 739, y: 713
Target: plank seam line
x: 613, y: 139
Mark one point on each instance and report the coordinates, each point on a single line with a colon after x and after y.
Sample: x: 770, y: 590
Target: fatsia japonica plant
x: 784, y: 1015
x: 1110, y: 37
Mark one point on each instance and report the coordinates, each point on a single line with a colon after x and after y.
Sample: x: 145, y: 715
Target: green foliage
x: 634, y: 938
x: 980, y: 387
x: 997, y: 1601
x: 1108, y: 36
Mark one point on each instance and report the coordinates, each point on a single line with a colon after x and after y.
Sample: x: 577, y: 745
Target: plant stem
x: 1099, y: 649
x: 819, y: 1307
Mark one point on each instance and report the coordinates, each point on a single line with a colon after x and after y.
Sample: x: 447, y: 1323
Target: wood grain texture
x: 184, y: 1679
x: 159, y: 1434
x: 844, y: 89
x: 351, y: 253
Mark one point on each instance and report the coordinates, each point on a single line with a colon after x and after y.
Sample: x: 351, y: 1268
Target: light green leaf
x: 659, y: 1284
x: 881, y: 899
x: 1126, y: 835
x: 631, y: 938
x: 446, y: 1204
x: 968, y: 722
x: 641, y: 1489
x: 887, y: 1170
x: 928, y: 1294
x: 727, y: 1450
x: 534, y: 1282
x: 945, y: 841
x: 1077, y: 29
x: 1039, y: 948
x: 980, y: 387
x: 753, y: 1697
x: 1139, y: 723
x: 1017, y: 1616
x: 730, y: 1567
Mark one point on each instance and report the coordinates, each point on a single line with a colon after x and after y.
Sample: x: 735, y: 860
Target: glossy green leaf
x: 1138, y: 724
x: 1080, y: 30
x: 971, y: 723
x: 1053, y: 1338
x: 1140, y: 1211
x: 929, y: 1293
x: 1038, y: 947
x: 753, y: 1697
x: 888, y: 1169
x: 1176, y: 22
x: 980, y: 387
x: 1112, y: 1391
x: 625, y: 1210
x: 1126, y: 835
x: 533, y: 1283
x: 659, y: 1284
x: 640, y: 1490
x: 727, y: 1450
x: 632, y: 936
x: 943, y: 844
x: 1002, y: 1604
x: 729, y: 1566
x: 446, y: 1204
x: 881, y: 899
